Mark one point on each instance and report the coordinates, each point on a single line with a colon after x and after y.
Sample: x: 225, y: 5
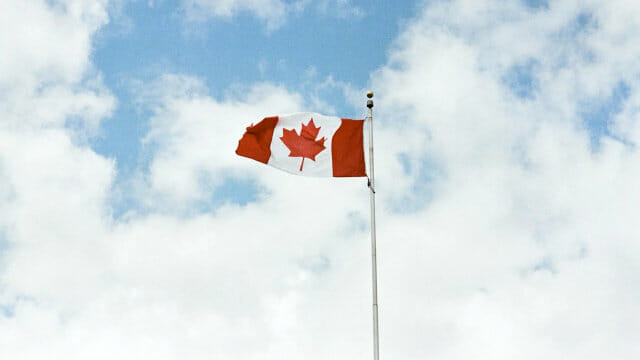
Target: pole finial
x: 369, y: 94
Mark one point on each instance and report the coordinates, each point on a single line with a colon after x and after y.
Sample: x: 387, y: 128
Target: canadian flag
x: 307, y: 144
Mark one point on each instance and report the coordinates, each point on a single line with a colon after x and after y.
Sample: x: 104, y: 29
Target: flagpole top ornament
x: 369, y: 102
x: 369, y: 94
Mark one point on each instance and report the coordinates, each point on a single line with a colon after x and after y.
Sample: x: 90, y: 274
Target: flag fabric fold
x: 307, y: 144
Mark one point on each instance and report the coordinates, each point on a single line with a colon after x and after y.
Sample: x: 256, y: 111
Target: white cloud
x: 341, y: 8
x: 49, y: 69
x: 522, y: 243
x: 78, y: 284
x: 191, y: 135
x: 54, y: 186
x: 519, y: 254
x: 272, y: 12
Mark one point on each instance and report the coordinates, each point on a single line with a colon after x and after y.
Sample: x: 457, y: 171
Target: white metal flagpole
x: 372, y: 198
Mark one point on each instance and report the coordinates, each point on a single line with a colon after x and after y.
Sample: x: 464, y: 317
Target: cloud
x: 77, y: 283
x: 504, y: 232
x: 49, y: 68
x: 272, y: 12
x: 52, y: 102
x: 342, y: 9
x: 512, y: 253
x: 189, y: 129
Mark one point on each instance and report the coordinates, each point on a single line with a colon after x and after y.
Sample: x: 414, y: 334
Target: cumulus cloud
x: 189, y: 129
x: 47, y: 80
x: 506, y: 224
x: 77, y: 283
x: 51, y: 103
x: 516, y: 233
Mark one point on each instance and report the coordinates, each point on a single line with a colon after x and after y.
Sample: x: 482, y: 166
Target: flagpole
x: 372, y: 200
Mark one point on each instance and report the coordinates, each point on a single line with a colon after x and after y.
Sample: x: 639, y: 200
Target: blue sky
x: 148, y: 39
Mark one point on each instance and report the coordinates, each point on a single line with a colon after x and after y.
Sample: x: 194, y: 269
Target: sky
x: 506, y: 169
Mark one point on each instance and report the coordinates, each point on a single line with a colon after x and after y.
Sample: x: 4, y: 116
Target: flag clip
x: 369, y: 185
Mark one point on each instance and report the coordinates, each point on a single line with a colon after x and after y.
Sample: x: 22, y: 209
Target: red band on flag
x: 347, y: 149
x: 256, y: 141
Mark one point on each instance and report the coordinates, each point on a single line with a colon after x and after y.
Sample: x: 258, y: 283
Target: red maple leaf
x: 304, y: 145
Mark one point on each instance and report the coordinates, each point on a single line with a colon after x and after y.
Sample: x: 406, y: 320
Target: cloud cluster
x: 47, y: 78
x: 523, y: 243
x: 168, y: 279
x: 506, y: 158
